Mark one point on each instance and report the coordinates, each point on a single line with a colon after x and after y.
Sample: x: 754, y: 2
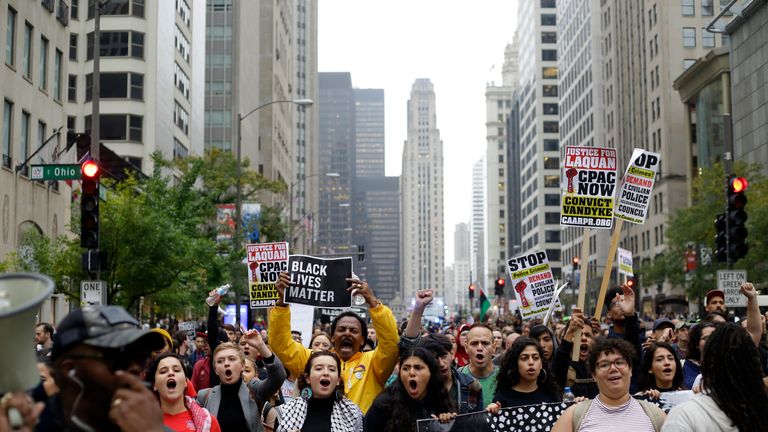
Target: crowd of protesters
x: 101, y: 371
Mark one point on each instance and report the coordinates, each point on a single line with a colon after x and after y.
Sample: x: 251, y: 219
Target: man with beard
x: 100, y: 354
x: 481, y: 367
x: 43, y: 340
x: 362, y: 373
x: 715, y: 302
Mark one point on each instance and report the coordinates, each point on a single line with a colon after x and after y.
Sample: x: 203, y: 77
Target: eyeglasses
x: 606, y: 365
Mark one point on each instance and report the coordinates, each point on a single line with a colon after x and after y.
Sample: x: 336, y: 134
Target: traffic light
x: 630, y: 282
x: 721, y: 238
x: 471, y: 291
x: 499, y: 289
x: 575, y: 261
x: 89, y: 205
x: 737, y: 218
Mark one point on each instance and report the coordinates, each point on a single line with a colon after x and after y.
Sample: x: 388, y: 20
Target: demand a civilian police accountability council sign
x: 588, y: 187
x: 637, y: 188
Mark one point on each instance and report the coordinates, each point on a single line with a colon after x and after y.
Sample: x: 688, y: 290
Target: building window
x: 10, y: 37
x: 7, y: 126
x: 549, y: 55
x: 551, y: 127
x: 43, y: 64
x: 117, y: 44
x: 549, y: 90
x: 26, y: 60
x: 549, y: 72
x: 689, y: 37
x: 550, y: 108
x: 548, y: 19
x: 74, y: 9
x: 115, y: 85
x: 552, y: 217
x: 182, y: 7
x: 182, y: 81
x: 549, y: 37
x: 551, y: 163
x: 548, y: 4
x: 723, y: 4
x: 551, y: 145
x: 707, y: 39
x: 707, y: 8
x: 179, y: 150
x: 689, y: 7
x: 551, y: 181
x: 62, y: 14
x: 182, y: 44
x: 118, y: 127
x: 72, y: 88
x: 73, y: 46
x: 688, y: 63
x: 551, y: 199
x: 119, y: 7
x: 24, y: 140
x: 57, y: 63
x: 40, y: 134
x: 181, y: 118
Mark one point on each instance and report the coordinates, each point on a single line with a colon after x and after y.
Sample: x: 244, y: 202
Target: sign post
x: 729, y: 282
x: 55, y: 172
x: 93, y: 293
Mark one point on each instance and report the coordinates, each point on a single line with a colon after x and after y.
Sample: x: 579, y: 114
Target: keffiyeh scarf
x: 200, y: 416
x: 345, y: 417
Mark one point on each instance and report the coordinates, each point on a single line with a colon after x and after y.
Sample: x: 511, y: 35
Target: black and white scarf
x: 345, y: 417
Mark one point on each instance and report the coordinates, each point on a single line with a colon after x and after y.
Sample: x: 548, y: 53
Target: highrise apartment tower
x: 369, y: 132
x: 477, y: 223
x: 421, y: 190
x: 539, y: 129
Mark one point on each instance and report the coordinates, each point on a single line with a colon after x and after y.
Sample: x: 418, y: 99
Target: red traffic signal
x: 90, y: 169
x: 500, y: 281
x: 738, y: 184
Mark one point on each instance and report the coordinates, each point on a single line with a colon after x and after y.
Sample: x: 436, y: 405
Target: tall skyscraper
x: 377, y: 227
x: 152, y: 77
x: 647, y: 45
x: 498, y: 103
x: 336, y: 154
x: 369, y: 132
x: 421, y: 190
x: 581, y: 106
x: 477, y: 223
x: 457, y: 288
x: 539, y: 129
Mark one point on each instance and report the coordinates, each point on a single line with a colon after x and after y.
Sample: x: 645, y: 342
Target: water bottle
x: 568, y: 395
x: 357, y: 299
x: 222, y: 291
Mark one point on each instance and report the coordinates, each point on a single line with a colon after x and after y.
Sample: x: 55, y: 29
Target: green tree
x: 695, y: 226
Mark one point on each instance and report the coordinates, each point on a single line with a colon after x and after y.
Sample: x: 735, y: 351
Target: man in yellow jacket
x: 363, y: 373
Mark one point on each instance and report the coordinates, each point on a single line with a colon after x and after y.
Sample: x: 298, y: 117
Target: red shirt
x: 201, y: 374
x: 182, y: 422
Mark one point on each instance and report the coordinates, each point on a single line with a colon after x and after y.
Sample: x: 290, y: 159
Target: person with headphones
x: 100, y: 355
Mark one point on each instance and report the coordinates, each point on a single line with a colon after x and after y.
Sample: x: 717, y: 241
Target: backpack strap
x: 579, y: 412
x: 654, y: 413
x: 265, y: 410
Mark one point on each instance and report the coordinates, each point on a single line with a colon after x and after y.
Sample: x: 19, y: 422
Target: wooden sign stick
x: 608, y: 266
x: 586, y: 235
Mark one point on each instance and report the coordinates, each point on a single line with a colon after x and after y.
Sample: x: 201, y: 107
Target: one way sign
x: 93, y: 293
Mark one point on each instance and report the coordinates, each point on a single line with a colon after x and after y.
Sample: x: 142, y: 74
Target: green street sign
x: 55, y: 172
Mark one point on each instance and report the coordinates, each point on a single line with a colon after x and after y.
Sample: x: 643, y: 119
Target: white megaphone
x: 20, y: 296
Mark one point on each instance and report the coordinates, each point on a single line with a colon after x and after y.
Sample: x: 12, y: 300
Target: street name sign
x: 55, y: 172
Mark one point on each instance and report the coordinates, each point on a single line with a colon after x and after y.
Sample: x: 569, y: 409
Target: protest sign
x: 189, y: 328
x: 327, y: 315
x: 635, y: 194
x: 302, y: 318
x: 533, y: 283
x: 319, y: 282
x: 729, y: 282
x: 588, y: 187
x: 265, y: 263
x: 625, y: 262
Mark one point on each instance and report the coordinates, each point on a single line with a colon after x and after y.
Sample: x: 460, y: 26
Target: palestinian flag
x: 485, y: 304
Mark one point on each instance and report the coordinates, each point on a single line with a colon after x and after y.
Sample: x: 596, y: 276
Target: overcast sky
x: 459, y: 45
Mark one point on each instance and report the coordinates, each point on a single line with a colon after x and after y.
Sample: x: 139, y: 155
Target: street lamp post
x: 238, y: 187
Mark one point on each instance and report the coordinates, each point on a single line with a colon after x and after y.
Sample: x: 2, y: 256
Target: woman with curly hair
x: 417, y: 394
x: 322, y: 407
x: 660, y: 369
x: 733, y: 396
x: 523, y: 378
x: 180, y: 413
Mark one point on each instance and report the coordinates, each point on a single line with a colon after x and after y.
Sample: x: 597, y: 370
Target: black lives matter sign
x: 319, y: 282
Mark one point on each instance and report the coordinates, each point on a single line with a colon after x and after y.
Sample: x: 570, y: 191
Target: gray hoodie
x: 700, y: 414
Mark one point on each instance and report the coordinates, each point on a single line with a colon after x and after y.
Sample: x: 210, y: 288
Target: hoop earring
x: 545, y: 374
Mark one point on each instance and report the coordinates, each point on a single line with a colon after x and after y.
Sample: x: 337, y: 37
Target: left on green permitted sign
x: 55, y: 172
